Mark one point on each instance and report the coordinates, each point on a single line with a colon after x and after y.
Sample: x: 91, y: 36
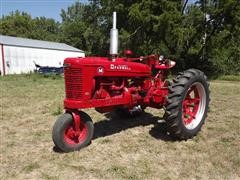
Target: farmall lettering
x: 120, y: 67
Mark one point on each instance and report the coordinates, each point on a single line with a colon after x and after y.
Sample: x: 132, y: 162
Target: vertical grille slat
x: 73, y: 83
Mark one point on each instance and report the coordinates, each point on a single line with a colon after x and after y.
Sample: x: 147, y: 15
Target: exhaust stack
x: 114, y: 38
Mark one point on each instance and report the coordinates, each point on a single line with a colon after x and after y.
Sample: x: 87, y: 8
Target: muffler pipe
x: 113, y: 51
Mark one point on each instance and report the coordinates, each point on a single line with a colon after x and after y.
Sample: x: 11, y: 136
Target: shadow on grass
x: 114, y: 124
x: 57, y: 150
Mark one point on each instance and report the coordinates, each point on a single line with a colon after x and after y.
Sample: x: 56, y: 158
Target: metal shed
x: 17, y: 55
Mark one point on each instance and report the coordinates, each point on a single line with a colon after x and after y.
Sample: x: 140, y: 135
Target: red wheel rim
x: 73, y: 137
x: 194, y: 106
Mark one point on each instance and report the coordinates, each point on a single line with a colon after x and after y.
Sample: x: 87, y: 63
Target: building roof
x: 23, y: 42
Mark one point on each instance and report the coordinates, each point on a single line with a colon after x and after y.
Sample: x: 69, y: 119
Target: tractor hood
x: 102, y: 66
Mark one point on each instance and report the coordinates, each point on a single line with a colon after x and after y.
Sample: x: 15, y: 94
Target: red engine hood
x: 102, y: 66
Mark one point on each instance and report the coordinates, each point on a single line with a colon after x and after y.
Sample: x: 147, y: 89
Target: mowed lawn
x: 121, y: 149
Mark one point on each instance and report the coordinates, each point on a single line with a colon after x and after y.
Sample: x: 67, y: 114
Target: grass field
x: 121, y: 149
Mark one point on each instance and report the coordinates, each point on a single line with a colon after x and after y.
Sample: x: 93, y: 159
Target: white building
x: 17, y: 55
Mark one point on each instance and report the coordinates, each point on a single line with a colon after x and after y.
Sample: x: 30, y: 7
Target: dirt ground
x: 121, y: 149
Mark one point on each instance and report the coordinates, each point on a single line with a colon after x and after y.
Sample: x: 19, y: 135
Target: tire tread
x: 173, y: 108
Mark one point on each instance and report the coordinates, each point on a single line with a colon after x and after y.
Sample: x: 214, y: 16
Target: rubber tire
x: 124, y: 113
x: 59, y: 127
x: 177, y: 92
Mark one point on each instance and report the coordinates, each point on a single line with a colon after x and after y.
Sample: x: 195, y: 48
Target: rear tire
x: 63, y: 132
x: 187, y: 104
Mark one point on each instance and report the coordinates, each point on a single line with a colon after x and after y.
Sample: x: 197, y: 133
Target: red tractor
x: 127, y: 86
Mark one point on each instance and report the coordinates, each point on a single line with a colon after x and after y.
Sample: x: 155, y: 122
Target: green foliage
x: 46, y: 29
x: 146, y: 27
x: 224, y: 44
x: 21, y: 24
x: 230, y: 78
x: 16, y: 24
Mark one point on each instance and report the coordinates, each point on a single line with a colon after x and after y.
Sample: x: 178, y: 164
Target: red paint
x: 3, y: 60
x: 128, y: 53
x: 101, y: 83
x: 190, y: 105
x: 75, y: 133
x: 77, y: 121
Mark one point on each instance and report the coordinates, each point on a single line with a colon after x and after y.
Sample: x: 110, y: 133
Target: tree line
x: 204, y: 34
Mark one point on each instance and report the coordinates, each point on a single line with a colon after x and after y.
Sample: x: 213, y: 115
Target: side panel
x: 21, y: 59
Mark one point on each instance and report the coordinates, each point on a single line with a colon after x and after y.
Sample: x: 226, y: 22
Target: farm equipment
x: 127, y: 86
x: 48, y: 70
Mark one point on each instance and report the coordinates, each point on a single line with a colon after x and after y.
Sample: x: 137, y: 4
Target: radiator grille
x: 73, y: 83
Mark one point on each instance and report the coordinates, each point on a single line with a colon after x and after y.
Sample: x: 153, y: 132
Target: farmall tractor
x: 127, y: 86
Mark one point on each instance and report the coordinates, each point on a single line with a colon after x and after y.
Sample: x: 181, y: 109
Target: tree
x: 16, y: 24
x: 204, y: 34
x: 224, y: 36
x: 159, y: 26
x: 45, y: 29
x: 21, y: 24
x: 81, y: 27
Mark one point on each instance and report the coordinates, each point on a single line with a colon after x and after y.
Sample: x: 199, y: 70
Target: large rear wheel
x: 67, y: 137
x: 187, y: 104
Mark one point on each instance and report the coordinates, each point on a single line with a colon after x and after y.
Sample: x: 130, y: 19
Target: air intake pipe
x: 113, y: 51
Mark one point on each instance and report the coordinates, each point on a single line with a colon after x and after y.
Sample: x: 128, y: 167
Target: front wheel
x: 65, y: 136
x: 187, y: 104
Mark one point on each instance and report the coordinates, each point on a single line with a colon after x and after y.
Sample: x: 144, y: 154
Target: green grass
x: 30, y: 167
x: 230, y: 78
x: 121, y: 149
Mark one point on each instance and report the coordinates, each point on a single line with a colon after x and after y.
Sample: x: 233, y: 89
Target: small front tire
x: 64, y: 135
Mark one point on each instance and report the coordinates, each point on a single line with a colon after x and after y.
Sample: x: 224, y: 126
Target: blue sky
x: 47, y: 8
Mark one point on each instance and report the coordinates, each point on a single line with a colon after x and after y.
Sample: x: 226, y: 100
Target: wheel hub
x: 194, y: 106
x: 73, y: 136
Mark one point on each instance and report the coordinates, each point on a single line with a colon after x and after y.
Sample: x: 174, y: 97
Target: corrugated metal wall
x: 1, y: 61
x: 21, y: 59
